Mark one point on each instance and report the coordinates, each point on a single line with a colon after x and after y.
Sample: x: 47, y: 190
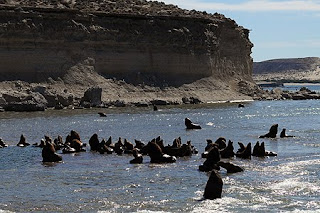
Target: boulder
x: 26, y: 106
x: 2, y: 101
x: 93, y: 96
x: 159, y: 102
x: 13, y: 97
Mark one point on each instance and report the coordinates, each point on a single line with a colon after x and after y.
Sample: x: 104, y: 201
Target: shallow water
x: 90, y: 182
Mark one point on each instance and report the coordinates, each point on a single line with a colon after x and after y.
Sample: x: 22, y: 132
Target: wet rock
x: 2, y: 101
x: 40, y: 89
x: 298, y: 96
x: 159, y: 102
x: 119, y: 103
x: 65, y: 99
x: 26, y: 106
x: 141, y: 104
x: 12, y: 97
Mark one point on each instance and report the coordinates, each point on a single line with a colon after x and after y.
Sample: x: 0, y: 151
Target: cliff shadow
x: 156, y: 80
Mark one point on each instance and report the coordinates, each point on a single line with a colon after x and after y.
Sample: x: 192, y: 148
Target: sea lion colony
x: 158, y: 152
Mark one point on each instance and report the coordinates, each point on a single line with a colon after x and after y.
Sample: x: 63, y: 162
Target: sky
x: 278, y: 28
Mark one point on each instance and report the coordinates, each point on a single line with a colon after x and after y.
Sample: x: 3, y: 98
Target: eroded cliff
x: 141, y: 42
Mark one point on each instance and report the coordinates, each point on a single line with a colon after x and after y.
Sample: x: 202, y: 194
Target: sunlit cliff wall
x: 41, y: 42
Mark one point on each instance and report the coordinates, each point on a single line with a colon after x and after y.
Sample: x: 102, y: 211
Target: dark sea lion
x: 272, y: 132
x: 213, y: 189
x: 227, y: 152
x: 283, y: 134
x: 49, y: 153
x: 244, y: 152
x: 190, y: 125
x: 94, y: 142
x: 231, y: 168
x: 23, y: 142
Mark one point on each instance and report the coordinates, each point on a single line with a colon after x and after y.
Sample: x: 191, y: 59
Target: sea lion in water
x: 231, y: 168
x: 283, y: 134
x: 212, y: 159
x: 137, y: 157
x: 23, y: 142
x: 94, y: 142
x: 244, y: 151
x: 228, y: 151
x: 272, y: 132
x: 213, y: 189
x: 190, y: 125
x: 49, y: 153
x: 102, y: 114
x: 2, y: 144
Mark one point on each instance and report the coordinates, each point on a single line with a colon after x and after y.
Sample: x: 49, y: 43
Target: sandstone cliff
x: 130, y: 48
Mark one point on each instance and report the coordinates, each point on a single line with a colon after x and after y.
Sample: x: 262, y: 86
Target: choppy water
x: 90, y: 182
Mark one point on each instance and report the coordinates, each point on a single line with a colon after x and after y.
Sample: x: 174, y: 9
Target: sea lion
x: 155, y: 108
x: 77, y: 145
x: 213, y: 189
x: 283, y: 134
x: 118, y: 147
x: 23, y: 142
x: 139, y: 144
x: 231, y: 168
x: 272, y: 132
x: 156, y: 154
x: 228, y: 151
x: 49, y: 153
x: 2, y: 143
x: 102, y: 114
x: 137, y: 157
x: 244, y: 151
x: 212, y: 159
x: 190, y: 125
x: 94, y: 142
x: 221, y: 142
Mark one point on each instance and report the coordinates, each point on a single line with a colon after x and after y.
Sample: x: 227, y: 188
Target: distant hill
x: 293, y: 69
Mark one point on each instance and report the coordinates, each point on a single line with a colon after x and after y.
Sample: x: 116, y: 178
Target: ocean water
x: 91, y: 182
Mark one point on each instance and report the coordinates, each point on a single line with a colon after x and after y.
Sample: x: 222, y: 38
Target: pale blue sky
x: 279, y: 28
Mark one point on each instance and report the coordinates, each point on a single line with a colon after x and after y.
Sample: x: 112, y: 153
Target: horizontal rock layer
x: 37, y: 43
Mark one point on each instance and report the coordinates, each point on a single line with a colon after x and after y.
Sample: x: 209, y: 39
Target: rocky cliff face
x: 136, y: 40
x: 151, y: 47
